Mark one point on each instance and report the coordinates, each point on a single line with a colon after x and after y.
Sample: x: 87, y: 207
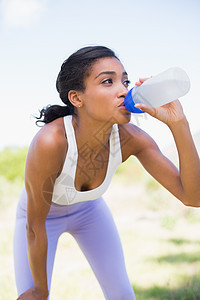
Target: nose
x: 123, y: 90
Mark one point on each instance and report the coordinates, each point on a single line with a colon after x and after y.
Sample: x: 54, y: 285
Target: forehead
x: 107, y: 64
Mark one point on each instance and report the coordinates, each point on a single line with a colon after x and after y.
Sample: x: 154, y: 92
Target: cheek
x: 99, y: 106
x: 100, y: 99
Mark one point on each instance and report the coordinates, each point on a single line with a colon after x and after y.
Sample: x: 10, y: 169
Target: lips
x: 121, y: 104
x: 122, y: 107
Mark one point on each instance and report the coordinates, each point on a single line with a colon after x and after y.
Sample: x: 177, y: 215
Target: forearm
x: 189, y: 163
x: 37, y: 255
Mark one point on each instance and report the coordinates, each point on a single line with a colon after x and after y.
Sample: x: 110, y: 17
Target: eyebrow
x: 110, y: 73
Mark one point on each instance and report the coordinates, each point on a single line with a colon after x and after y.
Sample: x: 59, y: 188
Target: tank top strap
x: 70, y: 134
x: 115, y: 146
x: 69, y: 168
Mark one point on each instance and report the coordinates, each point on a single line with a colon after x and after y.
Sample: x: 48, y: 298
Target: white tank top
x: 64, y: 192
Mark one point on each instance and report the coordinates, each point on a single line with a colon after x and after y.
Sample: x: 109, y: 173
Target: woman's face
x: 105, y: 89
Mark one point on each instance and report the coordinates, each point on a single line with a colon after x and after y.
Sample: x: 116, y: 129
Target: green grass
x: 187, y: 289
x: 12, y: 163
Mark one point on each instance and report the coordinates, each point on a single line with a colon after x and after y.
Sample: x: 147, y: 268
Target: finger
x: 150, y: 110
x: 142, y: 80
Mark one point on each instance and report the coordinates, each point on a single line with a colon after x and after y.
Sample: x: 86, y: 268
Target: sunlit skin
x: 101, y: 104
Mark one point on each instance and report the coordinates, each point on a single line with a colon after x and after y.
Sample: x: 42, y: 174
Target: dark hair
x: 73, y: 72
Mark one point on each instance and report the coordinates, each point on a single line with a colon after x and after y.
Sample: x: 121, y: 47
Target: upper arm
x: 43, y: 163
x: 142, y: 146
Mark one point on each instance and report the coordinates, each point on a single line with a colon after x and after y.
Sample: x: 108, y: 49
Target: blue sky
x: 37, y: 35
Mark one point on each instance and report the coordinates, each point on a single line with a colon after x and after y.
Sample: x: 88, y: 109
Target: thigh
x: 99, y: 240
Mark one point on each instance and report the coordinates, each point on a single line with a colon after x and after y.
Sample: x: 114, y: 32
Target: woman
x: 70, y: 164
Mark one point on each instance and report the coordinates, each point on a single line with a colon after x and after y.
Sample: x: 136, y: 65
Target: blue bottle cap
x: 130, y: 104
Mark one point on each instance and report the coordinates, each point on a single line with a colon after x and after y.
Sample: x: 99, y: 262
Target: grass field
x: 160, y: 237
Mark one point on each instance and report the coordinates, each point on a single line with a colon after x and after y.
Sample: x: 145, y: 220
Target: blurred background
x: 161, y: 237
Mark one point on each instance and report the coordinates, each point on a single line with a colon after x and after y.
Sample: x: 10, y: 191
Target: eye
x: 126, y: 83
x: 107, y: 81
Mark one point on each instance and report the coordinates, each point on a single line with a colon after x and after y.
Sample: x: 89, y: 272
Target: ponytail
x: 53, y: 112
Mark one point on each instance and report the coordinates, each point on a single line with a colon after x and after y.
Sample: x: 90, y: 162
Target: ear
x: 75, y: 98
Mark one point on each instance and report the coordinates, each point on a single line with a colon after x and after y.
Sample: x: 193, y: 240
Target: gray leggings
x: 93, y: 227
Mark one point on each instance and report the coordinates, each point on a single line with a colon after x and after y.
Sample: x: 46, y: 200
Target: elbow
x: 30, y: 232
x: 191, y: 201
x: 34, y: 230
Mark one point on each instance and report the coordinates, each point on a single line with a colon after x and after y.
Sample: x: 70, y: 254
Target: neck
x: 92, y: 134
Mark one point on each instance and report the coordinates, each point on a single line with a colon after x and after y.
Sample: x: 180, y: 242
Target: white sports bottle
x: 158, y: 90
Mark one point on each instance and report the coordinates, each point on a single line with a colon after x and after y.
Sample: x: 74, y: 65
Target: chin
x: 123, y: 119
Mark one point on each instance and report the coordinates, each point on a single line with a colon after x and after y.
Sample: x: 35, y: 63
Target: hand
x: 168, y: 113
x: 32, y: 294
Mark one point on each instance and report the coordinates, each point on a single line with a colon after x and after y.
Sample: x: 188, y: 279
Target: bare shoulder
x: 134, y: 140
x: 48, y: 148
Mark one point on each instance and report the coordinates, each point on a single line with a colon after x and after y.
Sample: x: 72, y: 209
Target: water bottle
x: 158, y: 90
